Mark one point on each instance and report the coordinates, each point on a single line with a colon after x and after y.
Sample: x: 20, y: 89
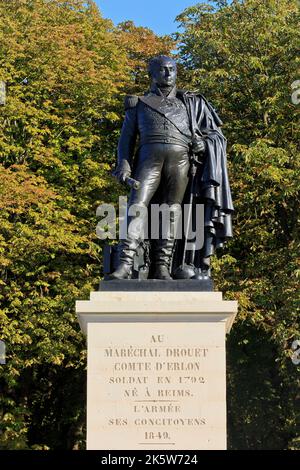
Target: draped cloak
x: 212, y: 184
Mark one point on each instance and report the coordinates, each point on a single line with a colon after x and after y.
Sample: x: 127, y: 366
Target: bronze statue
x: 180, y: 156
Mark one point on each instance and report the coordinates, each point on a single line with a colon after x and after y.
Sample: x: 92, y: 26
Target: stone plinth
x: 156, y: 369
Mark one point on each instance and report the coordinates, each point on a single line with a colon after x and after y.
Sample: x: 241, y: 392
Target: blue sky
x: 158, y: 15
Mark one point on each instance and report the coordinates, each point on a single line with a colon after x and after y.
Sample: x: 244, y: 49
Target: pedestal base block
x: 156, y: 369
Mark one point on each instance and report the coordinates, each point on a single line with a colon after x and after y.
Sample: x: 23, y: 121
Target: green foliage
x: 243, y: 57
x: 45, y: 260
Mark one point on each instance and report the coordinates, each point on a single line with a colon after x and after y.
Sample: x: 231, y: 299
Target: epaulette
x: 130, y: 101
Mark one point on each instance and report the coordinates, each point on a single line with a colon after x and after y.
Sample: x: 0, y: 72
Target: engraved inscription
x: 155, y: 399
x: 157, y: 385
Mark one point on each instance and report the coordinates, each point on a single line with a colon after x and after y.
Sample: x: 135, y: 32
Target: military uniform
x: 161, y: 126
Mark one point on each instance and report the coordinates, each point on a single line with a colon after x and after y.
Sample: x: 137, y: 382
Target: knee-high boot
x: 128, y: 246
x: 164, y: 247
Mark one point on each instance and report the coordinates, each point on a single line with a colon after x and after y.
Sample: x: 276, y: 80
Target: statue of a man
x: 171, y: 126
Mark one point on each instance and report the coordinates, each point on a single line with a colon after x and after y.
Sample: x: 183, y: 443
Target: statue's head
x: 162, y: 71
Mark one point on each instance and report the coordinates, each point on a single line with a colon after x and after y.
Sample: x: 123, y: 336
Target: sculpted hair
x: 156, y: 62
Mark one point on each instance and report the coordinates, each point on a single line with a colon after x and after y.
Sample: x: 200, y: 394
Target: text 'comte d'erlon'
x: 155, y: 352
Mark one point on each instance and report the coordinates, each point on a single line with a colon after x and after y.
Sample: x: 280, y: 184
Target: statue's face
x: 164, y: 73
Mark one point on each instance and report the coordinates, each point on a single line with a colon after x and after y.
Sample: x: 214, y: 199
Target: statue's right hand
x: 122, y: 171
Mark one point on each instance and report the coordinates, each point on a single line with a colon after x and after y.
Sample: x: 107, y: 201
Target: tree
x: 45, y: 264
x: 66, y: 71
x: 243, y: 57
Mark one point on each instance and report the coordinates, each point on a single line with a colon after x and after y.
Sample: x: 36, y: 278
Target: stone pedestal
x: 156, y: 369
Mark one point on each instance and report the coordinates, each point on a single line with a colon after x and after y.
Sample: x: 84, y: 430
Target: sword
x: 186, y: 271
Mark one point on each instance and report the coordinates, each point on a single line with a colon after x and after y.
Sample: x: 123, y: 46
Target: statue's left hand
x: 198, y: 145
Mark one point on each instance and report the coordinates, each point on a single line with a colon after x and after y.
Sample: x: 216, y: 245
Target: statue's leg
x: 148, y: 173
x: 175, y: 175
